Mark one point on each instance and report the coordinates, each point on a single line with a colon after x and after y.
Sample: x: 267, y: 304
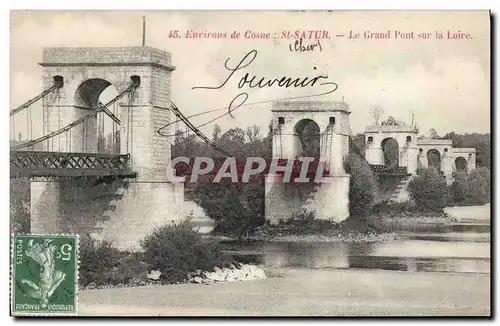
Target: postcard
x: 250, y: 163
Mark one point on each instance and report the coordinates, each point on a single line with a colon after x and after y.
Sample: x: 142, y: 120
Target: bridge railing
x: 54, y: 164
x: 393, y: 170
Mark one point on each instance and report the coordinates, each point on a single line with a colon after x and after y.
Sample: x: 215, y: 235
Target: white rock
x: 238, y: 275
x: 154, y: 275
x: 260, y: 274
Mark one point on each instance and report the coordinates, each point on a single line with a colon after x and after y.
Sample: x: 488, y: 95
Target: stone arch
x: 390, y: 150
x: 89, y: 95
x: 461, y: 163
x: 434, y: 159
x: 88, y: 92
x: 308, y: 138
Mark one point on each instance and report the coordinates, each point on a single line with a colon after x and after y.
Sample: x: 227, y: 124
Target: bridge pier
x: 329, y: 199
x: 122, y: 211
x: 45, y: 209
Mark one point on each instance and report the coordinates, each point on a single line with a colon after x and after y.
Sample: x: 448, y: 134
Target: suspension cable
x: 197, y: 132
x: 33, y: 100
x: 330, y: 152
x: 27, y: 123
x: 14, y: 130
x: 76, y: 122
x: 281, y: 141
x: 108, y: 112
x: 130, y: 110
x: 31, y: 123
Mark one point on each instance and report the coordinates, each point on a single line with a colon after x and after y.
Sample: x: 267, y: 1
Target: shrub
x: 429, y: 190
x: 477, y: 189
x: 236, y: 208
x: 362, y: 186
x: 20, y: 205
x: 458, y: 189
x: 101, y: 264
x: 299, y: 223
x: 303, y: 217
x: 485, y: 173
x: 176, y: 250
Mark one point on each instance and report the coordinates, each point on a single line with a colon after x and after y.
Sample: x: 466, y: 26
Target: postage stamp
x: 44, y: 278
x: 319, y: 163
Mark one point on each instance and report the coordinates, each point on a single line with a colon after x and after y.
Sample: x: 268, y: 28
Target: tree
x: 101, y: 143
x: 477, y: 188
x: 433, y: 134
x: 481, y: 142
x: 429, y: 190
x: 113, y: 143
x: 485, y: 173
x: 235, y: 207
x: 233, y: 141
x: 253, y: 133
x: 216, y: 133
x: 362, y: 186
x: 357, y: 145
x: 116, y: 145
x: 376, y: 112
x: 458, y: 189
x: 391, y: 121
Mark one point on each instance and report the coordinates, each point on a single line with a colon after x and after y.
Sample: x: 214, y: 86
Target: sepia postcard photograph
x: 250, y: 163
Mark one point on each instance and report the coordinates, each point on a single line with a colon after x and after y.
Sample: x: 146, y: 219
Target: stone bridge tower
x: 405, y: 138
x: 330, y: 198
x: 119, y: 210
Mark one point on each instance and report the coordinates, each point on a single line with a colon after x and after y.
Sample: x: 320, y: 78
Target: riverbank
x: 303, y: 292
x: 377, y: 227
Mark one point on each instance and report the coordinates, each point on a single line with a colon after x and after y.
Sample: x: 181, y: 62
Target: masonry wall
x: 44, y: 207
x: 329, y: 200
x: 121, y: 212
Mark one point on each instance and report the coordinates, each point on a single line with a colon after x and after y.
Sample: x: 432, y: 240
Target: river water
x: 458, y: 248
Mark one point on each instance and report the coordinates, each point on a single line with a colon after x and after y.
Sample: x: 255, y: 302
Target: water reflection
x: 422, y: 228
x: 402, y: 255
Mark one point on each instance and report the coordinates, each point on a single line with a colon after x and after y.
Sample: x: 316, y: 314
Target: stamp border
x: 77, y: 276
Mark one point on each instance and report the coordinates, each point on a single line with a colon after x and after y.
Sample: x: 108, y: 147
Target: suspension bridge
x: 26, y: 162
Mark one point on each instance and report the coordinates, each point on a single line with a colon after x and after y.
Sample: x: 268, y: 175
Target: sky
x: 444, y: 83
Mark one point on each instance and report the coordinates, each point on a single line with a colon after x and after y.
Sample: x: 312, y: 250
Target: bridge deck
x: 383, y: 170
x: 55, y: 164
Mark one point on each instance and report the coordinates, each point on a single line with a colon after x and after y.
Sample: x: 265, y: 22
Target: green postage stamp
x: 44, y: 278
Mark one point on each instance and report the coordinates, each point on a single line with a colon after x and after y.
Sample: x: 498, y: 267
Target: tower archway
x: 390, y: 149
x: 434, y: 159
x: 101, y: 133
x: 461, y: 164
x: 308, y: 138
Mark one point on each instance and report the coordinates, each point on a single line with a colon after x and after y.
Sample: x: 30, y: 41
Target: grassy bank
x: 379, y: 226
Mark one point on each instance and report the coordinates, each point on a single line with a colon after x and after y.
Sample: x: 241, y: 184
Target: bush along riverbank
x: 172, y: 254
x: 382, y: 224
x: 303, y: 227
